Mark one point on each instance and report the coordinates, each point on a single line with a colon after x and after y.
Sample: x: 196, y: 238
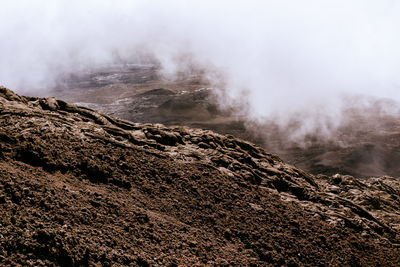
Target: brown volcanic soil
x: 81, y: 188
x: 367, y: 144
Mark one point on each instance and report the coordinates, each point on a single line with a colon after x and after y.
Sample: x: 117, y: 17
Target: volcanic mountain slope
x: 82, y: 188
x: 366, y: 144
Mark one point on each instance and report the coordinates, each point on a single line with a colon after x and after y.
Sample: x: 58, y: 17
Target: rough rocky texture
x: 81, y: 188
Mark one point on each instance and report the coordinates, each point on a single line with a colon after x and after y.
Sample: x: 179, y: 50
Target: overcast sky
x: 288, y: 55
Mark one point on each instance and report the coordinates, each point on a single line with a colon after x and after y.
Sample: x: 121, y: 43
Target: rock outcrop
x: 78, y: 187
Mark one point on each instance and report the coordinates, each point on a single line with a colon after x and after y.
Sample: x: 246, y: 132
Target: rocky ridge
x: 365, y: 144
x: 79, y: 187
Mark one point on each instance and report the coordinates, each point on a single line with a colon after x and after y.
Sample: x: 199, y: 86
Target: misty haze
x: 294, y: 103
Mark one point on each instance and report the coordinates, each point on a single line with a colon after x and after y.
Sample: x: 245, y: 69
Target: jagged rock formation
x: 78, y: 187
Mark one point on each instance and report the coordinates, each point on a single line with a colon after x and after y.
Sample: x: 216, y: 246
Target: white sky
x: 290, y: 55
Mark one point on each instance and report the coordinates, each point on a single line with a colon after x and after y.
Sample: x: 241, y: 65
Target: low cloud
x: 284, y: 61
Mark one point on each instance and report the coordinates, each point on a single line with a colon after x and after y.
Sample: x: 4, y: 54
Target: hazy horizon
x: 283, y: 59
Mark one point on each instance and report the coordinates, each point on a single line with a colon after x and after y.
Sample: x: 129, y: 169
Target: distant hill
x: 366, y: 144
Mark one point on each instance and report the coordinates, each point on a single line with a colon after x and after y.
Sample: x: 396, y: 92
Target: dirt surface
x: 78, y: 187
x: 366, y: 144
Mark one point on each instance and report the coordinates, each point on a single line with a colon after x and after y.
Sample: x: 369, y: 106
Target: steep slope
x: 81, y: 188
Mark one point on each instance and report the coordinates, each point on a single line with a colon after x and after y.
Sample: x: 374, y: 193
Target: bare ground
x: 78, y: 187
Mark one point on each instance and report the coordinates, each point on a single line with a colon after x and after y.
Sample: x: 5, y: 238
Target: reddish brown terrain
x: 78, y: 187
